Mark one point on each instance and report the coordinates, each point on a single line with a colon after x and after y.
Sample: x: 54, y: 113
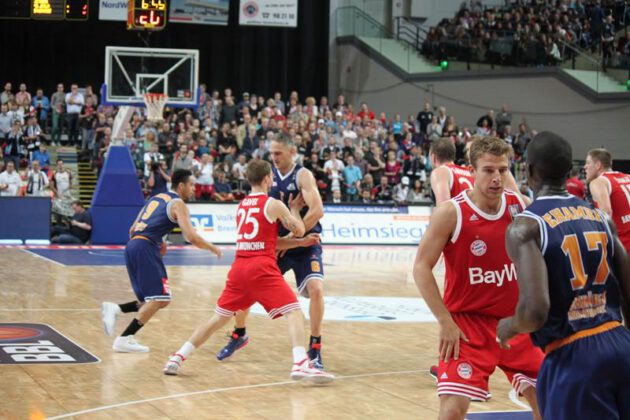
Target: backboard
x: 131, y: 72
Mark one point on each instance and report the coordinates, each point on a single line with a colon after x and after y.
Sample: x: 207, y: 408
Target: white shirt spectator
x: 334, y: 169
x: 12, y: 182
x: 37, y: 183
x: 77, y: 103
x: 205, y: 174
x: 150, y: 158
x: 239, y: 171
x: 5, y: 124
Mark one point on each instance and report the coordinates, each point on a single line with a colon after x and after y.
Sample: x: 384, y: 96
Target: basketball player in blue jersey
x: 289, y: 179
x: 573, y: 273
x: 143, y: 256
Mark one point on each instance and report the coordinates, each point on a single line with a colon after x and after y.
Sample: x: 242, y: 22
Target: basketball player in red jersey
x: 480, y: 285
x: 575, y: 186
x: 255, y: 276
x: 610, y: 191
x: 447, y: 179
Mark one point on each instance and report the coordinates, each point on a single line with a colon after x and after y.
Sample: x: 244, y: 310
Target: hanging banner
x: 201, y: 12
x: 281, y: 13
x: 112, y: 10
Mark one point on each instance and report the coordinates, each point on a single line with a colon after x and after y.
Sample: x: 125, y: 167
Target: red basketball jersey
x: 460, y: 179
x: 576, y: 187
x: 256, y: 234
x: 620, y: 203
x: 480, y: 277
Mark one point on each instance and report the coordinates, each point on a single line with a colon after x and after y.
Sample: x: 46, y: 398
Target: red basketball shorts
x: 252, y: 280
x: 468, y: 376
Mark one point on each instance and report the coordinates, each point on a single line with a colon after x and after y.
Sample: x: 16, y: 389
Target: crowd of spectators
x: 532, y: 33
x: 356, y: 156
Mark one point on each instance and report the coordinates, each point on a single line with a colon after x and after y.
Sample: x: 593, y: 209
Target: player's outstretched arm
x: 439, y: 184
x: 601, y: 195
x: 441, y: 227
x: 289, y: 242
x: 290, y: 219
x: 621, y: 263
x: 310, y: 193
x: 523, y: 246
x: 179, y: 211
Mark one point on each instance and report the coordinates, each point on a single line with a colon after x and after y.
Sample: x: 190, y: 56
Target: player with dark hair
x: 143, y: 257
x: 305, y: 261
x: 610, y: 191
x: 480, y: 286
x: 255, y: 276
x: 572, y: 272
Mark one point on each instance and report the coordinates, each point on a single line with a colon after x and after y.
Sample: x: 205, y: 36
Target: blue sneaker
x: 235, y: 343
x: 315, y: 356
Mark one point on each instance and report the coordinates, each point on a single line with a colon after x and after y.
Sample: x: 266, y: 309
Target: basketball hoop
x: 155, y: 103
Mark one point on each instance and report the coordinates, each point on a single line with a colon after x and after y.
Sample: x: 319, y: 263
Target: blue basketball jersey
x: 155, y: 220
x: 578, y: 247
x: 285, y: 186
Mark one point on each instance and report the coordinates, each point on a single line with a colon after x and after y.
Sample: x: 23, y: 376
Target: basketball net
x: 155, y: 103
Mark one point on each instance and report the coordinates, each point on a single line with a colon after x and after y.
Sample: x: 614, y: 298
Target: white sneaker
x: 174, y: 363
x: 109, y: 312
x: 305, y: 370
x: 128, y: 344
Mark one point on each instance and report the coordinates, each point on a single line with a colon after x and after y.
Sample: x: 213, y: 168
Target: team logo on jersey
x: 315, y: 266
x: 478, y: 248
x: 464, y: 370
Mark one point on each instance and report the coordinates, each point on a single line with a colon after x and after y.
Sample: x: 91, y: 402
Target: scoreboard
x: 45, y: 9
x: 146, y: 14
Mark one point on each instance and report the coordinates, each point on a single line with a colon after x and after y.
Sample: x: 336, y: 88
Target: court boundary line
x: 219, y: 390
x: 43, y: 258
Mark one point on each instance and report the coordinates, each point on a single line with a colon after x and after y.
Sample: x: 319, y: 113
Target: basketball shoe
x: 236, y: 343
x: 174, y: 364
x: 109, y: 312
x: 128, y: 344
x: 315, y: 355
x: 305, y: 370
x: 433, y: 371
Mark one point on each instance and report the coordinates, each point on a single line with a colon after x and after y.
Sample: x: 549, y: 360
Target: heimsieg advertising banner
x: 375, y: 225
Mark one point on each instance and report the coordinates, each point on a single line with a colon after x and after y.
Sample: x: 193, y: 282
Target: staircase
x: 400, y: 54
x: 87, y: 183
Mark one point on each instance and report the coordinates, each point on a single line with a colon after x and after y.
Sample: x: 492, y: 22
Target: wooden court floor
x: 381, y: 367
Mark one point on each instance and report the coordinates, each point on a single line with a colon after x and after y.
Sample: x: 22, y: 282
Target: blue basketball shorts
x: 146, y: 271
x: 307, y: 265
x: 588, y: 378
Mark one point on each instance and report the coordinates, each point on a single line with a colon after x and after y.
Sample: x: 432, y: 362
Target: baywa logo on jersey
x: 478, y: 248
x: 464, y: 370
x: 201, y: 222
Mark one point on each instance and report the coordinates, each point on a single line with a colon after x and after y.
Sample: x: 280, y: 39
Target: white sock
x: 186, y: 349
x: 299, y: 354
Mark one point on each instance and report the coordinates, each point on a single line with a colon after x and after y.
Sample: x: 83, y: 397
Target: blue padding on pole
x: 117, y: 198
x: 118, y: 184
x: 111, y: 224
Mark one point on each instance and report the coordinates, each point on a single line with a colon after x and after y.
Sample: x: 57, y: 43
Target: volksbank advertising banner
x: 268, y: 13
x: 372, y: 225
